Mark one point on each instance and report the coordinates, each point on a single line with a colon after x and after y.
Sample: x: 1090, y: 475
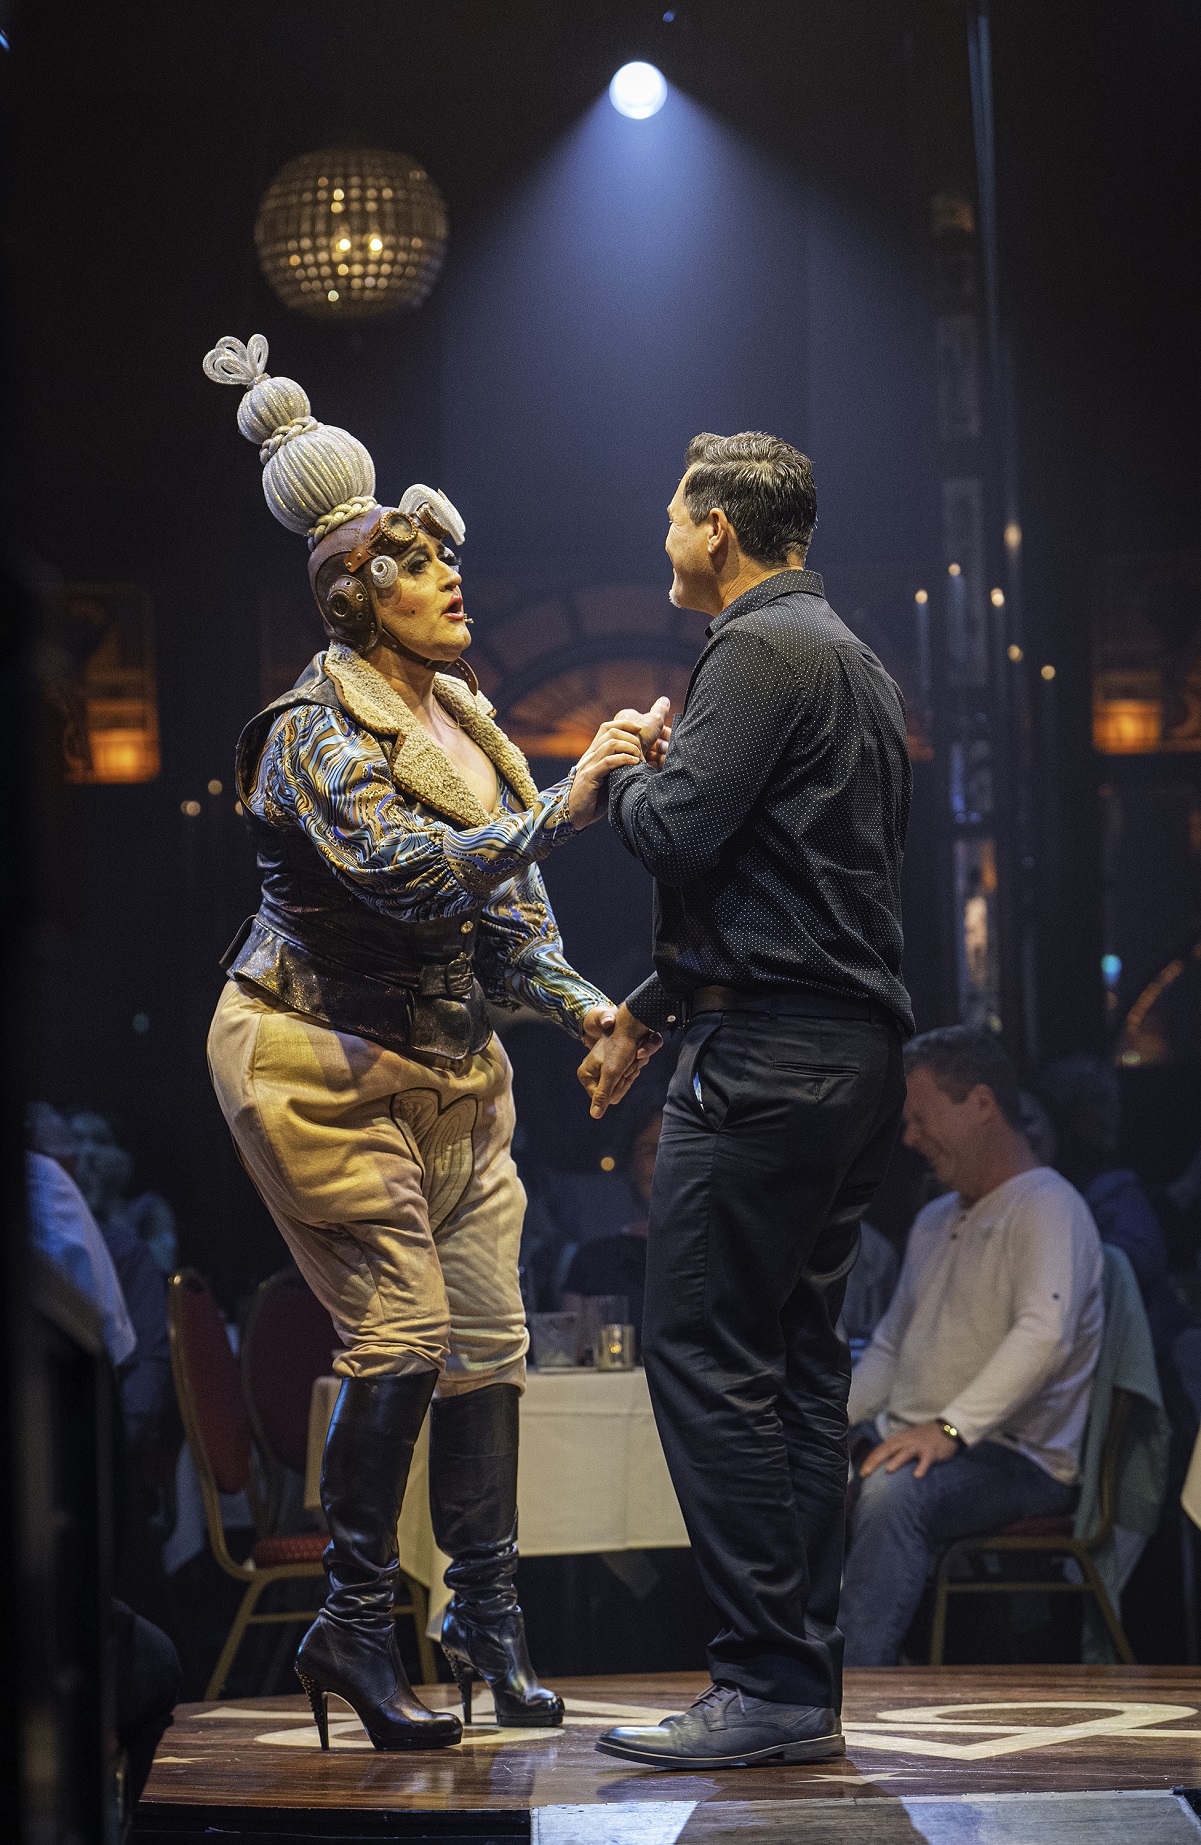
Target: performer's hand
x: 597, y: 1022
x: 615, y: 745
x: 615, y: 1060
x: 926, y: 1444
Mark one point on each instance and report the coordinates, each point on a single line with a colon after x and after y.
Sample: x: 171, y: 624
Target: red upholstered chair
x: 1048, y: 1537
x: 209, y: 1387
x: 287, y: 1344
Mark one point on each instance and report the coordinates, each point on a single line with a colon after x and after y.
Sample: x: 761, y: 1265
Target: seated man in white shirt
x: 976, y: 1383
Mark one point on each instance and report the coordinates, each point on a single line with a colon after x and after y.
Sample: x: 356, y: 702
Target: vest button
x: 466, y: 928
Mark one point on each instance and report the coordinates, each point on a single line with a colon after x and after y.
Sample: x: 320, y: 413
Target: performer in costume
x: 398, y: 833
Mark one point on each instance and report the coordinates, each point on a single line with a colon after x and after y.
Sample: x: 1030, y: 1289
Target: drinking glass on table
x: 554, y: 1339
x: 597, y: 1310
x: 614, y: 1348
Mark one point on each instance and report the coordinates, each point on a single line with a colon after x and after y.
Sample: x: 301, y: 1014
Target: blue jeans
x: 900, y: 1524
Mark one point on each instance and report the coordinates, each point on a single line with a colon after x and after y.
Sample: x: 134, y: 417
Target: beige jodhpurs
x: 391, y: 1183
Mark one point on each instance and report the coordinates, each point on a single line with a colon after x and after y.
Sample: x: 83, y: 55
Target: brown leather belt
x: 783, y: 1002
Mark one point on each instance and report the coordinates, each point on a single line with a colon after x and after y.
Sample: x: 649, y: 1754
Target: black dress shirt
x: 775, y: 829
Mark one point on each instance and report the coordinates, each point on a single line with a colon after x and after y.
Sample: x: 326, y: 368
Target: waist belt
x: 784, y: 1002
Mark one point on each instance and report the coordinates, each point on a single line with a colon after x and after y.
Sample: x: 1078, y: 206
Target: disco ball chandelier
x: 351, y: 233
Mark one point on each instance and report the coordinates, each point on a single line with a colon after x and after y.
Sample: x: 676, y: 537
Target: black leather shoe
x: 350, y: 1650
x: 726, y: 1728
x: 473, y: 1505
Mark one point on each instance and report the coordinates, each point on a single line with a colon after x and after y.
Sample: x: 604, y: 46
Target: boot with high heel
x: 350, y: 1650
x: 473, y: 1505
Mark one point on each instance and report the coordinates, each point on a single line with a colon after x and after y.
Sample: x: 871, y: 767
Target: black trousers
x: 776, y: 1133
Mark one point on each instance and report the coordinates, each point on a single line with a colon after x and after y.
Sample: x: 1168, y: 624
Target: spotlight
x: 638, y: 90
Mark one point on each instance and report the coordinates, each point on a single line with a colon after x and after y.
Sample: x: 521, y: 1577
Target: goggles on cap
x: 393, y: 532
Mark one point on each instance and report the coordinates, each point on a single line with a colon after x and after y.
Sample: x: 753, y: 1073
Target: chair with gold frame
x: 1047, y: 1537
x: 212, y: 1405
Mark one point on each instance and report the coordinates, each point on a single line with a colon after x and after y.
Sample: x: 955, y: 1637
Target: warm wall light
x: 107, y: 636
x: 370, y: 216
x: 1015, y: 653
x: 1013, y: 535
x: 953, y: 570
x: 638, y: 90
x: 997, y: 598
x: 1047, y: 672
x: 921, y: 598
x: 1127, y: 726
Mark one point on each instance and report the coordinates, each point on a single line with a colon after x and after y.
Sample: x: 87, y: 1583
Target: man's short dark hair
x: 763, y: 485
x: 959, y: 1057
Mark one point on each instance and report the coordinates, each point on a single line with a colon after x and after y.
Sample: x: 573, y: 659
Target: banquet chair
x: 1047, y: 1537
x: 287, y: 1344
x: 211, y: 1405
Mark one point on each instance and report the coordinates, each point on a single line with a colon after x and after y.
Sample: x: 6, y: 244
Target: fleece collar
x: 420, y: 767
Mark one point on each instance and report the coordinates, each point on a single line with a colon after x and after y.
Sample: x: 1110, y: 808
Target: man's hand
x: 654, y: 732
x: 926, y: 1444
x: 615, y: 1060
x: 597, y: 1023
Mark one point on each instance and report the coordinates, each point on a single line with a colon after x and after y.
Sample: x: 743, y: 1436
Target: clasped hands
x: 631, y: 736
x: 619, y: 1045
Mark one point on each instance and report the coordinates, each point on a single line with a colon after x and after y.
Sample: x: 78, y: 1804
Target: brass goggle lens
x: 393, y: 532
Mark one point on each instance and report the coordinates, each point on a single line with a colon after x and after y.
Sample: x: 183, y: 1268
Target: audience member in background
x: 101, y: 1171
x: 148, y: 1414
x: 870, y: 1286
x: 145, y: 1663
x: 63, y: 1228
x: 1183, y: 1195
x: 1038, y: 1128
x: 104, y: 1171
x: 617, y: 1264
x: 1084, y: 1099
x: 148, y: 1683
x: 976, y: 1384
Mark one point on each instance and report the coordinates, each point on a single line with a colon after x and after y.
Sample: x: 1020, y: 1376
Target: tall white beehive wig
x: 315, y: 477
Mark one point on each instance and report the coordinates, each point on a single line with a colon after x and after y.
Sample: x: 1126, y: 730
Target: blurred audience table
x: 592, y: 1475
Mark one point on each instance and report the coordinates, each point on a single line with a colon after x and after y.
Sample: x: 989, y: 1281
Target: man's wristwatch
x: 952, y: 1434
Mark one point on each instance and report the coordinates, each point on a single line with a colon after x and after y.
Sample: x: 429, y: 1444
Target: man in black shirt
x: 774, y: 826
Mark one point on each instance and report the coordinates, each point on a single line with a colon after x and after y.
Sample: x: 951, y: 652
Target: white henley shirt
x: 995, y: 1325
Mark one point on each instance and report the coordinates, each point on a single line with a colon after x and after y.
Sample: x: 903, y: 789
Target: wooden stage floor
x: 982, y: 1754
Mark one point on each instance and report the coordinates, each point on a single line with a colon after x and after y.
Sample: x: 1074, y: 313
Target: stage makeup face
x: 423, y: 609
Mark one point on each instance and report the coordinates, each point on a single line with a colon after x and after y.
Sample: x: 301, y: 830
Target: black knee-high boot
x: 473, y: 1504
x: 351, y: 1647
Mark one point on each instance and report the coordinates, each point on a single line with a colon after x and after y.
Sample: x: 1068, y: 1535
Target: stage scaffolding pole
x: 982, y: 730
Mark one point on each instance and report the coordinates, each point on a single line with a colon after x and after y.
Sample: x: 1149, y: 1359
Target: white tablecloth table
x: 592, y: 1475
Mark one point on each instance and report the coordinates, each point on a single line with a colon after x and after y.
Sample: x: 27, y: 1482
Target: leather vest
x: 321, y: 950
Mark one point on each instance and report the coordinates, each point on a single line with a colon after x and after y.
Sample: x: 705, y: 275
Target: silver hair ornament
x: 315, y: 476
